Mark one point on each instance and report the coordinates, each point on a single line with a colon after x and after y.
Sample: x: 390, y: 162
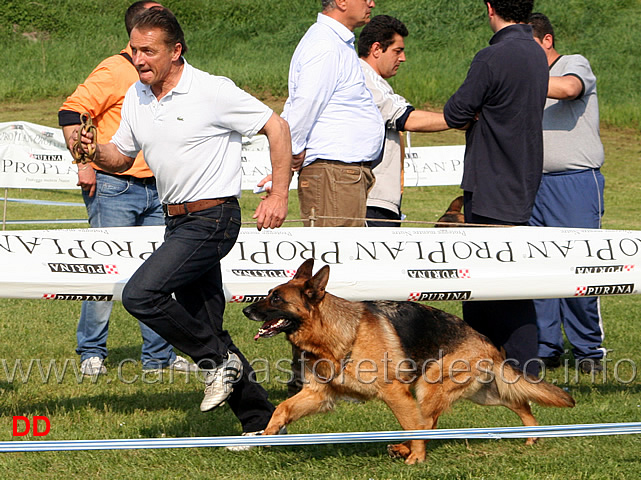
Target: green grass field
x: 51, y: 47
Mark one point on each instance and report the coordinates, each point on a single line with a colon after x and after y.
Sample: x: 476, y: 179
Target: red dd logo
x: 21, y: 426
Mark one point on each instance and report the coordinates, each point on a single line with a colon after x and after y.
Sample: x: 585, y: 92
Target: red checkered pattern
x: 628, y: 268
x: 290, y: 273
x: 49, y: 296
x: 580, y: 291
x: 463, y: 273
x: 414, y: 297
x: 111, y: 269
x: 237, y: 299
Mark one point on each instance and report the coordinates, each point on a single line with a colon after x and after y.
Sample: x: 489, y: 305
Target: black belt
x: 130, y: 178
x: 338, y: 162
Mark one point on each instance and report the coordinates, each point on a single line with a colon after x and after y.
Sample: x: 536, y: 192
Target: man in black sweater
x: 500, y: 104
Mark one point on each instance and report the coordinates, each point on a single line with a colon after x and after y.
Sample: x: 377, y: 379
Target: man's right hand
x: 87, y: 179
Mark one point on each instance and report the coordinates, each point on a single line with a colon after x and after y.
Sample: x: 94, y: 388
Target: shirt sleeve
x: 95, y: 95
x: 581, y: 69
x: 466, y: 103
x: 312, y: 89
x: 124, y: 138
x: 393, y: 107
x: 239, y: 111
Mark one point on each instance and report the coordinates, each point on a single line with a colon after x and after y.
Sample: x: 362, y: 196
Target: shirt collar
x: 341, y: 30
x: 517, y: 30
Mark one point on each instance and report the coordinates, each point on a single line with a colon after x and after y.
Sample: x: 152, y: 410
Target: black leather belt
x: 338, y: 162
x: 130, y: 178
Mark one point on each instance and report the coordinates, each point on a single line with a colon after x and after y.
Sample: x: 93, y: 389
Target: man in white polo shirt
x: 337, y: 130
x: 189, y: 124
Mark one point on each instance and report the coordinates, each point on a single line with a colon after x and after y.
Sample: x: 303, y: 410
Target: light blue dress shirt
x: 330, y: 110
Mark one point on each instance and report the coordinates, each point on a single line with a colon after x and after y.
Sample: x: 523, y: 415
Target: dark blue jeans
x: 187, y: 265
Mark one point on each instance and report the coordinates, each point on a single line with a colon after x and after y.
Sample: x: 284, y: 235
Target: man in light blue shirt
x: 337, y: 130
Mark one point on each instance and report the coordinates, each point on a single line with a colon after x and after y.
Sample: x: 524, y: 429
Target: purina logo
x: 96, y: 269
x: 439, y: 296
x: 593, y: 290
x: 46, y: 158
x: 263, y: 273
x: 439, y: 274
x: 78, y: 297
x: 604, y: 269
x: 246, y: 298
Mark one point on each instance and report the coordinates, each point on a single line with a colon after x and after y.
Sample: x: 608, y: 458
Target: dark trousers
x: 375, y: 214
x: 187, y: 265
x: 509, y: 324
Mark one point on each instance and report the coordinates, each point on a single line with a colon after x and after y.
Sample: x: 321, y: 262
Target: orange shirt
x: 102, y: 95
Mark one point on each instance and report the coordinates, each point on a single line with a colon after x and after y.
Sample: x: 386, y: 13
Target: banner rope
x: 599, y: 429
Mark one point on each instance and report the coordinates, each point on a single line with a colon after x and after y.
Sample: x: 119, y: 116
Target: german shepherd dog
x: 386, y: 349
x: 453, y: 215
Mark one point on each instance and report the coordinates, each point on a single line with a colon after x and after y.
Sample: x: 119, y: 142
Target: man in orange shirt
x: 114, y: 200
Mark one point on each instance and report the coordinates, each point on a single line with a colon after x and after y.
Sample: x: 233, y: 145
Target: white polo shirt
x: 330, y: 110
x: 192, y: 137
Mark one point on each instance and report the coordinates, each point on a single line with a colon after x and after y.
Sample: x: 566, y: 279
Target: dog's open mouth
x: 272, y: 327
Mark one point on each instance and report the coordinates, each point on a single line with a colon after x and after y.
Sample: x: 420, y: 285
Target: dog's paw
x: 399, y: 450
x: 403, y: 450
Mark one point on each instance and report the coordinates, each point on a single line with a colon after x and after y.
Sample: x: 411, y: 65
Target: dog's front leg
x: 399, y: 399
x: 305, y: 402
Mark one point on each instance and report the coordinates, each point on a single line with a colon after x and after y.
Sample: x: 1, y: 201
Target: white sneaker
x: 244, y: 448
x: 93, y: 366
x: 220, y: 382
x: 180, y: 364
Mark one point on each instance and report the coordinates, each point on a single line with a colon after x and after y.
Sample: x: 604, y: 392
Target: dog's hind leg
x: 524, y: 412
x: 305, y: 402
x: 399, y: 399
x: 489, y: 395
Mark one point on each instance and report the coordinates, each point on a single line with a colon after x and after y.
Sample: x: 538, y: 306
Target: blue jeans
x: 187, y: 265
x: 120, y: 202
x: 570, y: 199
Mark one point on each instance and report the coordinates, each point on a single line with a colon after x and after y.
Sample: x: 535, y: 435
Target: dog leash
x: 86, y: 126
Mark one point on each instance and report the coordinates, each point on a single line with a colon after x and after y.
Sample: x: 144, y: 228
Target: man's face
x: 390, y: 60
x: 151, y: 55
x: 358, y: 12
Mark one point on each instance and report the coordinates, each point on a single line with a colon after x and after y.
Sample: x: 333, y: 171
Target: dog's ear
x: 305, y: 270
x: 315, y: 286
x: 456, y: 205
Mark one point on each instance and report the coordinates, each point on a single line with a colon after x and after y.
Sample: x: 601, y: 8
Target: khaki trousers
x: 334, y: 189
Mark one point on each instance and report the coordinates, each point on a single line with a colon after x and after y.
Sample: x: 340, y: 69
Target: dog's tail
x: 517, y: 387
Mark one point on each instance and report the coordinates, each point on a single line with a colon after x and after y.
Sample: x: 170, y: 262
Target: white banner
x: 424, y: 166
x: 34, y: 156
x: 431, y: 166
x: 426, y: 264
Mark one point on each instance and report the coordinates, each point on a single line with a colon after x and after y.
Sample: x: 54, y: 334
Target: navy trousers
x: 509, y: 324
x: 570, y: 199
